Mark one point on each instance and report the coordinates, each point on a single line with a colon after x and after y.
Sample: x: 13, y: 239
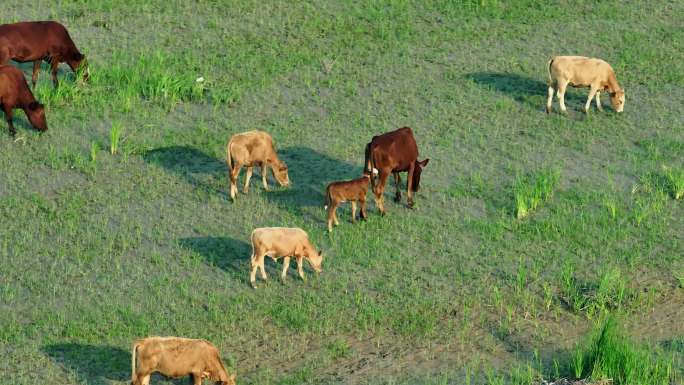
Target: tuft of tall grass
x: 610, y: 354
x: 115, y: 137
x: 531, y: 191
x: 675, y: 182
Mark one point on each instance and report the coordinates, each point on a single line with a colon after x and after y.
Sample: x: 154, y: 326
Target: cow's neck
x: 613, y: 85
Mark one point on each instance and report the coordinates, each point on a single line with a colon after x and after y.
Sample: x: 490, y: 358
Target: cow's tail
x: 328, y: 198
x: 229, y: 157
x: 370, y: 164
x: 548, y: 68
x: 134, y: 378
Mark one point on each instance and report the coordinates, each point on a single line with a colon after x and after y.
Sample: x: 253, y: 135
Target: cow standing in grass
x: 177, y: 357
x: 277, y: 242
x: 392, y: 153
x: 15, y: 93
x: 35, y: 41
x: 580, y: 71
x: 253, y: 148
x: 346, y: 191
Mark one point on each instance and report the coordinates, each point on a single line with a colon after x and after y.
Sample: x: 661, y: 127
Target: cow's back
x: 174, y: 356
x: 579, y: 69
x: 33, y: 40
x: 396, y: 149
x: 12, y: 84
x: 279, y: 239
x: 251, y: 147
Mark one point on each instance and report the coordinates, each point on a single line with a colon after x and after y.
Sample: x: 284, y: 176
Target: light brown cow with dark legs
x: 346, y: 191
x: 285, y: 242
x: 580, y: 71
x: 177, y: 357
x: 253, y: 148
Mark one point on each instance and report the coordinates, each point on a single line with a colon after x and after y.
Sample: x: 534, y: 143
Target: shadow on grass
x: 522, y: 88
x: 310, y: 172
x: 192, y: 164
x: 92, y: 364
x: 224, y: 252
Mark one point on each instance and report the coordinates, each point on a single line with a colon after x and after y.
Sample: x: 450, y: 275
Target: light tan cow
x: 286, y: 242
x: 253, y: 148
x: 177, y: 357
x: 580, y: 71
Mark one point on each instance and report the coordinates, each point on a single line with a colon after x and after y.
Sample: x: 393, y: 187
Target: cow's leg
x: 8, y: 116
x: 234, y: 173
x: 263, y: 268
x: 353, y: 204
x: 598, y: 101
x: 146, y: 379
x: 364, y: 215
x: 397, y: 182
x: 254, y: 262
x: 337, y: 221
x: 247, y: 178
x: 5, y: 55
x: 409, y: 184
x: 592, y: 92
x: 300, y: 267
x: 36, y: 68
x: 264, y: 175
x: 54, y: 63
x: 561, y: 95
x: 196, y: 378
x: 286, y: 265
x: 331, y: 215
x: 379, y: 190
x: 549, y: 101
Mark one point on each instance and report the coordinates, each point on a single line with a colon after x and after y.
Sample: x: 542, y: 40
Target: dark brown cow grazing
x: 392, y: 153
x: 15, y: 93
x: 35, y: 41
x: 352, y: 191
x: 177, y: 357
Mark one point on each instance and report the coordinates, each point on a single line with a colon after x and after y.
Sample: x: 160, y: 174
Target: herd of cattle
x: 389, y: 153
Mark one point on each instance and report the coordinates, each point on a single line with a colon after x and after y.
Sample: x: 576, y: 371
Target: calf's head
x: 418, y: 169
x: 316, y: 260
x: 79, y: 65
x: 280, y: 173
x: 36, y: 115
x: 617, y: 99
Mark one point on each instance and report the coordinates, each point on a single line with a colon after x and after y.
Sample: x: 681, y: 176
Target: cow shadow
x: 198, y: 168
x: 93, y: 365
x: 229, y: 254
x: 310, y: 172
x: 521, y: 88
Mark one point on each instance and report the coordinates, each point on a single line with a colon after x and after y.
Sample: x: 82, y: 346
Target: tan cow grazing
x: 253, y: 148
x: 177, y: 357
x: 277, y: 242
x: 346, y: 191
x: 580, y: 71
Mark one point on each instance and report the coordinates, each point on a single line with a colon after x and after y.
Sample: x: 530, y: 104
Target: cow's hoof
x: 548, y: 110
x: 411, y: 205
x: 254, y: 286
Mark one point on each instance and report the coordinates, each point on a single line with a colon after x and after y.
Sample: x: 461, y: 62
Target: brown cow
x: 253, y: 148
x: 284, y: 242
x: 177, y: 357
x: 392, y: 153
x: 352, y: 191
x: 41, y: 40
x: 15, y: 93
x: 580, y: 71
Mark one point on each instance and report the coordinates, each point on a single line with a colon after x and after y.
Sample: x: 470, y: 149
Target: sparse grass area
x: 116, y: 222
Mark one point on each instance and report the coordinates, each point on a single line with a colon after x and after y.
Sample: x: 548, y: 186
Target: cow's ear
x: 424, y: 162
x: 77, y: 56
x: 320, y: 253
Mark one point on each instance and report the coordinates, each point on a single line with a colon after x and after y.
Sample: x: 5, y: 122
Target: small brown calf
x: 15, y: 93
x: 343, y: 191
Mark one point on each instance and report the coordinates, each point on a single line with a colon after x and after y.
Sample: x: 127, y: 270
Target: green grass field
x: 100, y: 247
